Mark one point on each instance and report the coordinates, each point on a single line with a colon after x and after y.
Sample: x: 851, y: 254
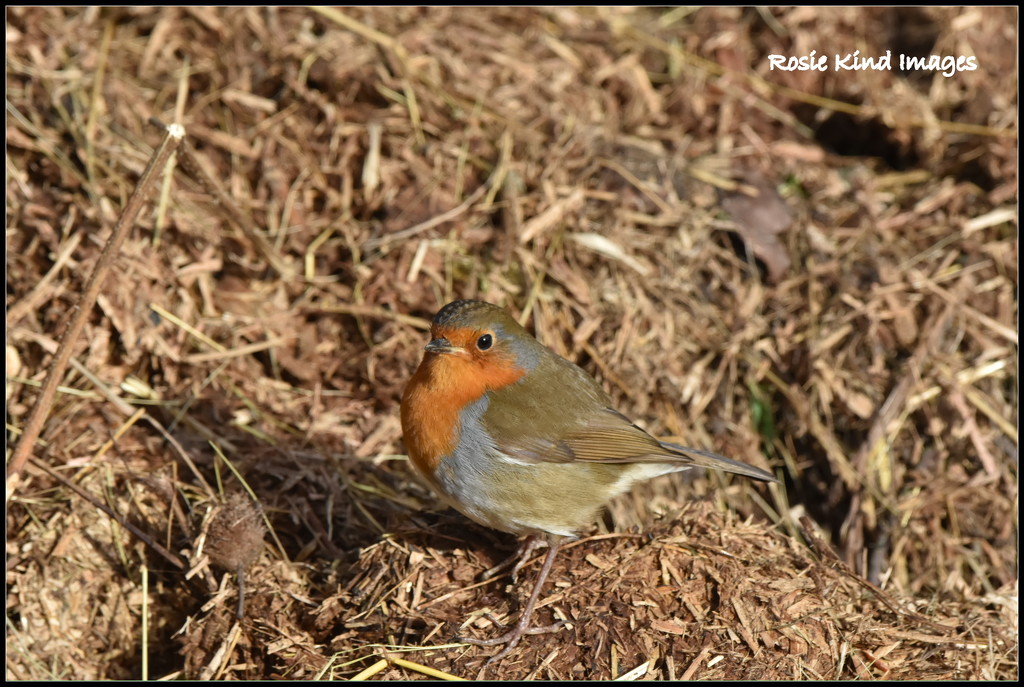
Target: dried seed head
x: 236, y: 532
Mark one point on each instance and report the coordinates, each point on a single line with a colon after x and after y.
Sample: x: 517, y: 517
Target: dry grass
x: 812, y: 271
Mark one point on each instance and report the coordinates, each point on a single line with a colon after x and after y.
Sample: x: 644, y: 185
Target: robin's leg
x: 522, y: 627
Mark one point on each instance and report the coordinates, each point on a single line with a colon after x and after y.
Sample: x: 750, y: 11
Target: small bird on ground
x: 518, y: 438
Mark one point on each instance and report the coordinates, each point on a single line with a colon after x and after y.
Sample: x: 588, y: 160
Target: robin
x: 518, y: 438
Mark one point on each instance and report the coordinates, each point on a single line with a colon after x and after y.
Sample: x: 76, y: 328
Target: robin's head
x: 484, y: 336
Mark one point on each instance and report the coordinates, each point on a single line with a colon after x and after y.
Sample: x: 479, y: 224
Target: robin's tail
x: 713, y: 461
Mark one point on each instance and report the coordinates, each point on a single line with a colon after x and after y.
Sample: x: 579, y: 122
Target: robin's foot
x: 511, y: 638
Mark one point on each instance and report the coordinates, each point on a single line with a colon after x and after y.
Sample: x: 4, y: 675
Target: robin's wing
x: 612, y: 438
x: 537, y: 421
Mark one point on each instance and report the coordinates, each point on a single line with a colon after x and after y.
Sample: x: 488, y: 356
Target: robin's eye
x: 485, y: 342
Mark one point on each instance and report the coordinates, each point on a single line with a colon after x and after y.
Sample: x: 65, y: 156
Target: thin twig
x: 118, y: 518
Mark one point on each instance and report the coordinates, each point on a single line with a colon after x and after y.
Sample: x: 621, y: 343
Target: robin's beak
x: 441, y: 345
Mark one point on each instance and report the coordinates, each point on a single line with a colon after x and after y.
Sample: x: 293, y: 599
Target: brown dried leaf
x: 761, y: 215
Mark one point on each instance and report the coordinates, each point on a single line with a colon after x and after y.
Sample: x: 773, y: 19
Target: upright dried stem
x: 172, y: 139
